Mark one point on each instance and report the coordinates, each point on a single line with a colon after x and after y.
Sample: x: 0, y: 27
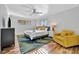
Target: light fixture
x: 36, y: 9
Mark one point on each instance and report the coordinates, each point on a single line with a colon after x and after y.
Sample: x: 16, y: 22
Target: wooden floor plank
x: 54, y: 48
x: 50, y: 48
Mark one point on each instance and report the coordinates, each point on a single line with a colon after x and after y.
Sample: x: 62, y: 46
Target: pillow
x: 67, y: 33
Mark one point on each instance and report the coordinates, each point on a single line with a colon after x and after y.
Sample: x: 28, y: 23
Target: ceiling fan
x: 34, y: 10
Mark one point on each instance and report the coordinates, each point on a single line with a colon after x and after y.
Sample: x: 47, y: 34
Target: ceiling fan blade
x: 34, y: 11
x: 38, y: 12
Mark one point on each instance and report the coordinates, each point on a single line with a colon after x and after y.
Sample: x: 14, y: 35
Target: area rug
x: 26, y: 45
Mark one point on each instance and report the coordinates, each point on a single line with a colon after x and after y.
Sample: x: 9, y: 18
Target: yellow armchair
x: 66, y: 38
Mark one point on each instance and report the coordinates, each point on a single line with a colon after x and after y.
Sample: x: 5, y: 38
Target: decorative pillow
x: 67, y: 33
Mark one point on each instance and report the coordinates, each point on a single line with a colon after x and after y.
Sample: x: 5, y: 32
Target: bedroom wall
x: 68, y: 19
x: 3, y: 14
x: 21, y: 28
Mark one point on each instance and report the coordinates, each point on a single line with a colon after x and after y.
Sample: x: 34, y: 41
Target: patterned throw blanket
x: 26, y: 45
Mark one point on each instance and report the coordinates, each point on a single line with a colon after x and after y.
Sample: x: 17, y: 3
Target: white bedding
x: 35, y: 33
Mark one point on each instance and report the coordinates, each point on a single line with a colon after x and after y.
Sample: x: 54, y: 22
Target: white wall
x: 20, y: 28
x: 68, y: 19
x: 17, y: 26
x: 3, y: 14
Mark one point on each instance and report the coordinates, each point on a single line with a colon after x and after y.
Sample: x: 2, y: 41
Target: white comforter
x: 35, y: 33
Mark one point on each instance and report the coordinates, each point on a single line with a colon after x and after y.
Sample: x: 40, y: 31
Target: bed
x: 35, y: 34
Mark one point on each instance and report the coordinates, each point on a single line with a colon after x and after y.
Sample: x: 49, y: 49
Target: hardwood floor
x: 54, y: 48
x: 50, y: 48
x: 61, y: 50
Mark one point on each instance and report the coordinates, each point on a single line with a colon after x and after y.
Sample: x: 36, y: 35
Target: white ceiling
x: 24, y: 10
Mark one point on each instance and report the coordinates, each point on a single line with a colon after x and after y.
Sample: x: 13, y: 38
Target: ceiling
x: 57, y: 8
x: 25, y: 10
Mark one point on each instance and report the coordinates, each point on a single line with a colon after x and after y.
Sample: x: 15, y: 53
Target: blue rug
x: 26, y: 45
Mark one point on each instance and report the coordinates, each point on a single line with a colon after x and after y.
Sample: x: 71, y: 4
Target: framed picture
x: 24, y: 22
